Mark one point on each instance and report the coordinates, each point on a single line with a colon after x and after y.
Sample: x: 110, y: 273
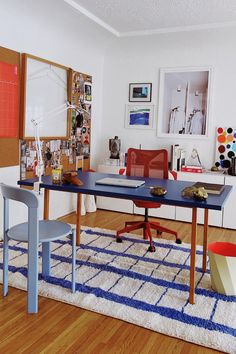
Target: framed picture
x: 184, y: 102
x: 140, y: 92
x: 45, y: 90
x: 139, y: 116
x: 87, y: 92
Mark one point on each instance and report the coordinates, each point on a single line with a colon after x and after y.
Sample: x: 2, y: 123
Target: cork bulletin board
x: 9, y: 107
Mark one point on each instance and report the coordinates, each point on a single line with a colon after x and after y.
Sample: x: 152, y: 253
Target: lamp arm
x: 50, y: 114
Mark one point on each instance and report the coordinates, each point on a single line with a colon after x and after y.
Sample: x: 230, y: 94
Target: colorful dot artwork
x: 225, y: 146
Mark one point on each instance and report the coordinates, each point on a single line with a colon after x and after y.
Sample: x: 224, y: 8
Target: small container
x: 57, y: 175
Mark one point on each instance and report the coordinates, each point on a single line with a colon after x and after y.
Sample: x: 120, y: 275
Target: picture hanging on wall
x: 184, y: 102
x: 140, y: 92
x: 87, y: 92
x: 225, y: 146
x: 139, y: 116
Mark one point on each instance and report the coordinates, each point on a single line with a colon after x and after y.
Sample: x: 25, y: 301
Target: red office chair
x: 153, y: 164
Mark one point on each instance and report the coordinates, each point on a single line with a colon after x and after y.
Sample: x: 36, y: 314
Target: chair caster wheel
x: 151, y: 249
x: 118, y: 240
x: 179, y: 241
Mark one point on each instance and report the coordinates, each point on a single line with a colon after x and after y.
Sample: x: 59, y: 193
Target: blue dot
x: 228, y: 146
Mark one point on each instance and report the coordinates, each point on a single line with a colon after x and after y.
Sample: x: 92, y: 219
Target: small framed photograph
x: 140, y: 92
x: 87, y: 92
x: 139, y: 116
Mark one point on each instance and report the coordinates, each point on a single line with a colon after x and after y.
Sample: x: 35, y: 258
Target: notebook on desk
x: 211, y: 188
x: 120, y: 182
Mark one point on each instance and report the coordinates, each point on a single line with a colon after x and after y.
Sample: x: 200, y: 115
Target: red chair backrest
x: 147, y: 163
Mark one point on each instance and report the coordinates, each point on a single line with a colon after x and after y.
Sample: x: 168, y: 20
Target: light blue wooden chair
x: 34, y: 232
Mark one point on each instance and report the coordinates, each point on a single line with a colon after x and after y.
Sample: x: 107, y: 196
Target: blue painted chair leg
x: 5, y: 265
x: 33, y: 277
x: 46, y: 259
x: 73, y: 237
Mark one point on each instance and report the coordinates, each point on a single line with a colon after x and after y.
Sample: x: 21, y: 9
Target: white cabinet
x: 122, y: 205
x: 229, y: 212
x: 185, y: 214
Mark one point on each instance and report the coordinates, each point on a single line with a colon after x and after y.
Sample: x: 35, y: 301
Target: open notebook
x: 120, y: 182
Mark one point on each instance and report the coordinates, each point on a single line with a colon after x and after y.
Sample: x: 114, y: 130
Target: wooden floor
x: 62, y: 328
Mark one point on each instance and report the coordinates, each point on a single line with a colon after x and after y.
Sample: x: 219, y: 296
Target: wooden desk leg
x: 193, y: 256
x: 46, y: 204
x: 205, y: 232
x: 78, y: 220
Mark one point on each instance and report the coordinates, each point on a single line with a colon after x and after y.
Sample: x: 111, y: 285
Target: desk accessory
x: 114, y: 147
x: 211, y: 188
x: 71, y: 178
x: 198, y: 193
x: 158, y: 191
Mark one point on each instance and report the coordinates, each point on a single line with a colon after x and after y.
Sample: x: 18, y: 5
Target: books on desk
x: 211, y: 188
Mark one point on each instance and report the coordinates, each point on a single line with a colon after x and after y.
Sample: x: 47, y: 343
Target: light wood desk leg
x: 78, y: 220
x: 205, y: 232
x: 46, y: 204
x: 193, y: 256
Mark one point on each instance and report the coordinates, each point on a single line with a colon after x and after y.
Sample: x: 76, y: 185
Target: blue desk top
x: 173, y: 196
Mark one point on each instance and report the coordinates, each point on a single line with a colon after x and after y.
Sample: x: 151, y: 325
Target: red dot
x: 220, y: 130
x: 221, y: 149
x: 221, y: 138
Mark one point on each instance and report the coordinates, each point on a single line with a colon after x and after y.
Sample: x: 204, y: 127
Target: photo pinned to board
x: 139, y: 116
x: 87, y: 92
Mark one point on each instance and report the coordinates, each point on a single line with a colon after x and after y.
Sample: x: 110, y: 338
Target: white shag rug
x: 124, y: 281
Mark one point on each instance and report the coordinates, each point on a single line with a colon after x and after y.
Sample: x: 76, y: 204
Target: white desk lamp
x: 36, y: 122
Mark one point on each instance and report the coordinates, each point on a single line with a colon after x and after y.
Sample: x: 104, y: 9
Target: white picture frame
x: 45, y: 93
x: 184, y: 102
x: 139, y: 116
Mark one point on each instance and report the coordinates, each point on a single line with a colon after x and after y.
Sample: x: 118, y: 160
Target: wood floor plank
x: 62, y: 328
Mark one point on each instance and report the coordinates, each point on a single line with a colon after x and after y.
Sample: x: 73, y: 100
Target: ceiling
x: 139, y: 17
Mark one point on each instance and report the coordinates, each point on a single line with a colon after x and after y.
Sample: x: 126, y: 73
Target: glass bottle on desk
x: 57, y: 174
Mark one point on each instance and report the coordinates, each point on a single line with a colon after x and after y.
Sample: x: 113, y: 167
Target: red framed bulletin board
x: 9, y: 107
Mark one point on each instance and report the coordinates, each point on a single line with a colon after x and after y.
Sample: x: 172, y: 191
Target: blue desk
x: 173, y: 197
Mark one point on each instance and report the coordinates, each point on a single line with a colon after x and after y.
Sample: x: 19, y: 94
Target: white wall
x: 54, y: 31
x: 138, y: 59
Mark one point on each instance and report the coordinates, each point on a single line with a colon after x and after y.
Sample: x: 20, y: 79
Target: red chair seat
x: 144, y: 204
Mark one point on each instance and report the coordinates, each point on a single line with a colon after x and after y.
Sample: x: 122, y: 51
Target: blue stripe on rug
x: 140, y: 305
x: 125, y: 255
x: 126, y: 238
x: 148, y: 260
x: 129, y: 274
x: 137, y: 304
